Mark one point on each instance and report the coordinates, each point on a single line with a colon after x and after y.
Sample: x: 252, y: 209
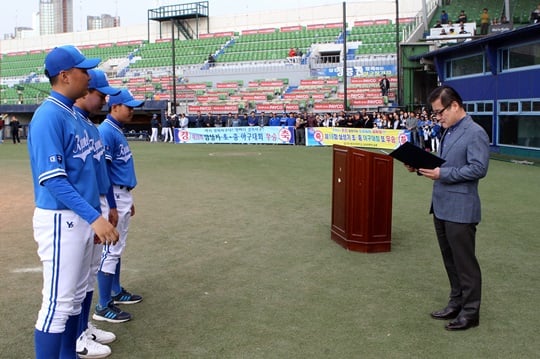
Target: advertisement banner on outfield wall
x: 360, y: 71
x: 355, y: 137
x: 271, y: 135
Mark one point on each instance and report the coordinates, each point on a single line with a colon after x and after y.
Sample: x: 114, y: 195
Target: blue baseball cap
x: 124, y: 97
x: 98, y: 81
x: 66, y: 57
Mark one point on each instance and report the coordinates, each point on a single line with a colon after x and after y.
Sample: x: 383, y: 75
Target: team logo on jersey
x: 83, y: 147
x: 125, y: 153
x: 99, y: 150
x: 69, y: 224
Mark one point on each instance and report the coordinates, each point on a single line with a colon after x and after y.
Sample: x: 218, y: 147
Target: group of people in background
x: 424, y: 129
x: 485, y: 20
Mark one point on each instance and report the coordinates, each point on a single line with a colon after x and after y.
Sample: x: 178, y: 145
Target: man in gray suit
x: 455, y: 205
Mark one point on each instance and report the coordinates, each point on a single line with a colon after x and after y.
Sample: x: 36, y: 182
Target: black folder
x: 416, y: 157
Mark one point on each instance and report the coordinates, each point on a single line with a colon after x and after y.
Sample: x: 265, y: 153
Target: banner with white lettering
x: 355, y: 137
x: 274, y: 135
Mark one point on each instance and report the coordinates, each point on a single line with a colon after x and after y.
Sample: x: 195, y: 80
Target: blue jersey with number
x: 59, y: 145
x: 118, y: 154
x: 98, y: 152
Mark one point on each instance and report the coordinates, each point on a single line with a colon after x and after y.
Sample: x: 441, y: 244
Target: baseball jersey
x: 59, y: 146
x: 98, y: 153
x: 118, y: 154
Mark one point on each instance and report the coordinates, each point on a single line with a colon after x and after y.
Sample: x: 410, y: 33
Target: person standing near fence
x: 15, y: 125
x: 154, y: 124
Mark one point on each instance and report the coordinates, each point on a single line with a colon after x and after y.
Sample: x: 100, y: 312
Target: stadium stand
x: 145, y: 67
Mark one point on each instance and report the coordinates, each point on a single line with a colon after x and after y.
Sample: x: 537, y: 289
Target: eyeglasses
x: 440, y: 112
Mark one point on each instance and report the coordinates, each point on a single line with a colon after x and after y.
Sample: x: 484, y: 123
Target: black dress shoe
x: 446, y: 313
x: 462, y: 323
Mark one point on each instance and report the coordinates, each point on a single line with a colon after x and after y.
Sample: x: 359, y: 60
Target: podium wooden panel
x: 362, y: 199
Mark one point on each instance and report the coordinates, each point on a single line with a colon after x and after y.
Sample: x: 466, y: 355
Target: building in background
x: 55, y: 16
x: 102, y: 22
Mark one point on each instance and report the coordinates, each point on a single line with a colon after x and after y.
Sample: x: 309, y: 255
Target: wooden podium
x: 362, y: 199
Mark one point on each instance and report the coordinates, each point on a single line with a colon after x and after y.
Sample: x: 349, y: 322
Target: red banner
x: 277, y: 107
x: 290, y: 28
x: 368, y: 102
x: 276, y: 83
x: 328, y: 106
x: 213, y: 108
x: 259, y: 31
x: 227, y: 85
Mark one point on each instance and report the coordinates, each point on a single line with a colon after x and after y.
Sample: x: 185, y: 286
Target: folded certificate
x: 416, y: 157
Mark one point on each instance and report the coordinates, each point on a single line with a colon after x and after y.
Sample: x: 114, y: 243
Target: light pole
x: 398, y: 90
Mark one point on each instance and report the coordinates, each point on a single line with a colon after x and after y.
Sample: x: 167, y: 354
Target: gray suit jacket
x: 455, y: 194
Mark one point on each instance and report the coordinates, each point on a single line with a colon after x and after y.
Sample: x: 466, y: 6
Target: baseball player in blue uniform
x: 121, y: 171
x: 91, y: 341
x: 66, y: 196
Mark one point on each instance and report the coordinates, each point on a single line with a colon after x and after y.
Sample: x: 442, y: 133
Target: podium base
x: 361, y: 246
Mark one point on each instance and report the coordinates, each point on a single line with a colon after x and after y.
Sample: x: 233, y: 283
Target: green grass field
x: 230, y: 247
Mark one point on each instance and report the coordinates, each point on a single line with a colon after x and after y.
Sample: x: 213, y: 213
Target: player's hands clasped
x: 105, y: 231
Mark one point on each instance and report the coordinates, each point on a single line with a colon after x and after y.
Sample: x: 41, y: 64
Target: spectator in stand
x: 535, y: 15
x: 384, y: 84
x: 462, y: 30
x: 444, y: 17
x: 367, y: 121
x: 262, y: 120
x: 272, y: 121
x: 283, y: 120
x: 420, y: 130
x: 462, y: 17
x: 291, y: 120
x: 230, y: 119
x: 199, y: 121
x: 438, y: 25
x: 243, y: 120
x: 396, y: 123
x: 292, y: 52
x: 435, y: 134
x: 300, y: 130
x: 183, y: 122
x: 211, y: 60
x: 504, y: 20
x: 335, y: 119
x: 443, y: 32
x: 411, y: 125
x: 311, y: 120
x: 252, y: 120
x: 209, y: 120
x: 377, y: 120
x: 484, y: 21
x: 235, y: 121
x: 349, y: 120
x: 175, y: 121
x: 217, y: 121
x: 299, y: 52
x: 326, y: 121
x: 389, y: 120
